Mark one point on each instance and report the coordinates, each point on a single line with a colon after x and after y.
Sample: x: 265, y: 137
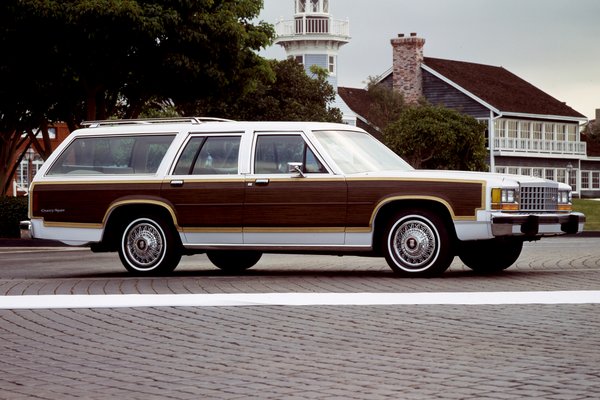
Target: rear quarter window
x: 112, y: 155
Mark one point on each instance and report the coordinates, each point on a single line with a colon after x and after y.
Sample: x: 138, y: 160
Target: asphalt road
x: 484, y: 351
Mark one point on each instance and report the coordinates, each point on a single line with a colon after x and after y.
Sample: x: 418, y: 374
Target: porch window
x: 572, y: 133
x: 585, y: 180
x: 595, y: 179
x: 525, y: 130
x: 549, y: 131
x: 537, y: 130
x: 512, y: 129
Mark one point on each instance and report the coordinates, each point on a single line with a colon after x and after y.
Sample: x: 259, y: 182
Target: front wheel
x: 149, y: 247
x: 417, y: 243
x: 489, y: 256
x: 234, y: 261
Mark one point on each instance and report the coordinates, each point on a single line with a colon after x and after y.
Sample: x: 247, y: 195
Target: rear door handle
x: 261, y: 182
x: 177, y: 183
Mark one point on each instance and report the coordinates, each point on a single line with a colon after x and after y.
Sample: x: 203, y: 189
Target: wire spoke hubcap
x: 414, y: 243
x: 145, y: 244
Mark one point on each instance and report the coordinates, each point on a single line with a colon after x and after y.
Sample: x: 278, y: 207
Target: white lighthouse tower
x: 313, y: 37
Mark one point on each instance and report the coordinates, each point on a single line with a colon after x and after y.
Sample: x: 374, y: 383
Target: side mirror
x: 296, y: 168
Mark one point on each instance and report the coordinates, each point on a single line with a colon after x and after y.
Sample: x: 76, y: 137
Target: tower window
x: 301, y: 6
x: 332, y: 65
x: 314, y: 5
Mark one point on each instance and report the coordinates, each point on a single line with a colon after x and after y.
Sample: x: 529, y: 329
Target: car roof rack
x: 142, y: 121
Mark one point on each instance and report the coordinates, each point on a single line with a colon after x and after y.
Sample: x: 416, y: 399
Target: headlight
x: 564, y: 200
x: 505, y: 199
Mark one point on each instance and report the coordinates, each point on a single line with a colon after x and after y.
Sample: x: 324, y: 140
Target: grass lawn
x: 591, y: 209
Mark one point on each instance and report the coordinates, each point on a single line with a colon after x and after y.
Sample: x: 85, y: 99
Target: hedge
x: 12, y: 211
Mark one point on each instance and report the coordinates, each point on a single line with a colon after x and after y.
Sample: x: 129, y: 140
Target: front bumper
x: 508, y: 224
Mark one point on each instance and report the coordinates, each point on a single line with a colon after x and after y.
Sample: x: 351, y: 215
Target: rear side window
x: 212, y: 155
x: 113, y: 155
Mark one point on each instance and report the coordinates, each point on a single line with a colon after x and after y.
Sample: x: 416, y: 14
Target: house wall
x: 438, y: 92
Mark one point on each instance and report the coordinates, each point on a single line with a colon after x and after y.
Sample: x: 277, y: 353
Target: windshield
x: 356, y: 152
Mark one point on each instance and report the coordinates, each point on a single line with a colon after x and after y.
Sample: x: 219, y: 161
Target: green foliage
x: 593, y: 131
x: 435, y: 137
x: 591, y: 209
x: 72, y: 60
x: 288, y: 95
x: 12, y: 211
x: 386, y: 105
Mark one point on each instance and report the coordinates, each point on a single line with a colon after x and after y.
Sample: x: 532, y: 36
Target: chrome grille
x: 539, y: 198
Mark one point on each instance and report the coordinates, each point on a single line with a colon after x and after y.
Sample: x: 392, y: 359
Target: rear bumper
x: 504, y: 224
x: 26, y: 229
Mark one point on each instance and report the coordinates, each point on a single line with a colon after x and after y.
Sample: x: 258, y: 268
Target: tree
x: 386, y: 104
x: 288, y: 94
x: 70, y: 60
x: 434, y: 137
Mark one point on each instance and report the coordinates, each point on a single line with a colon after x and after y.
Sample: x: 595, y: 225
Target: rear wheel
x: 417, y: 243
x: 489, y: 256
x: 148, y: 246
x: 234, y: 261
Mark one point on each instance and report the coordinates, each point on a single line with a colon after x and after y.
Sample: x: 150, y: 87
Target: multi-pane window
x: 537, y: 130
x: 499, y: 127
x: 548, y: 131
x: 573, y: 179
x: 572, y: 133
x: 526, y: 171
x: 595, y: 179
x: 525, y: 130
x: 501, y: 170
x: 512, y: 129
x: 538, y: 172
x: 561, y: 175
x: 549, y: 174
x: 561, y: 130
x: 513, y: 170
x: 585, y: 180
x: 332, y: 65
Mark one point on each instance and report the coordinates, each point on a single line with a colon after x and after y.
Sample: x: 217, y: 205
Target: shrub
x: 12, y: 211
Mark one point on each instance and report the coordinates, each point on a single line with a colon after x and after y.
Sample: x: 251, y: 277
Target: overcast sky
x: 553, y: 44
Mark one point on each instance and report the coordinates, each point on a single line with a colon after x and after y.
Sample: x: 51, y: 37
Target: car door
x: 207, y: 190
x: 284, y: 208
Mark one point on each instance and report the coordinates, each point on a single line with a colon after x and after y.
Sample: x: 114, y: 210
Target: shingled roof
x: 500, y: 88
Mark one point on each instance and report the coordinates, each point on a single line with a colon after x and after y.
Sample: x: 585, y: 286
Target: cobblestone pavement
x: 269, y: 352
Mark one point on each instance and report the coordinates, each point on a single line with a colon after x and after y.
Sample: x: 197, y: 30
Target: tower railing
x: 308, y: 25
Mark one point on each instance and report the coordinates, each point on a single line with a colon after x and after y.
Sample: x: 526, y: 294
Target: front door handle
x: 261, y: 182
x: 177, y: 183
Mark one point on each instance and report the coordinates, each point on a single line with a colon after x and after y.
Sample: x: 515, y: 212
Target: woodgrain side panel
x: 296, y: 203
x: 209, y: 203
x: 462, y: 198
x: 85, y: 203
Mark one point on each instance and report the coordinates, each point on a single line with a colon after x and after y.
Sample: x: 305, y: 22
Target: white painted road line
x: 296, y: 299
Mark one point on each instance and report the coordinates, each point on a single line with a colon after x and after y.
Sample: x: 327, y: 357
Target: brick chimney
x: 407, y: 75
